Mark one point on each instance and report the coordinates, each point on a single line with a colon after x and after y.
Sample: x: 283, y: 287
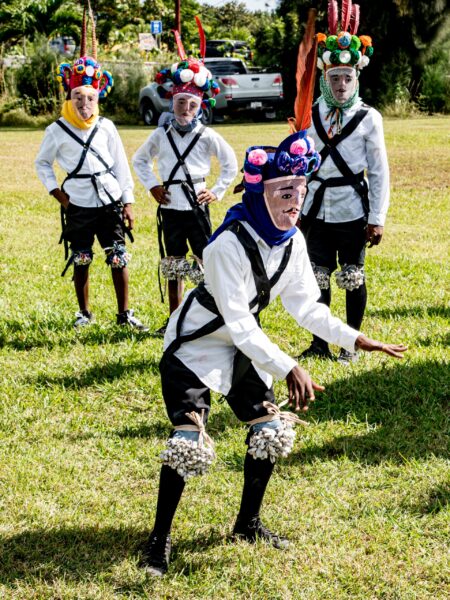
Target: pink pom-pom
x: 257, y: 157
x: 298, y: 147
x: 252, y: 178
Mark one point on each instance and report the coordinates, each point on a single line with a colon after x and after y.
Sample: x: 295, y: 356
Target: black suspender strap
x: 187, y: 185
x: 356, y: 180
x: 262, y: 283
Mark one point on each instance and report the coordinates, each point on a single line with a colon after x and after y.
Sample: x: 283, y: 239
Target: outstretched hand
x: 301, y: 388
x: 368, y: 345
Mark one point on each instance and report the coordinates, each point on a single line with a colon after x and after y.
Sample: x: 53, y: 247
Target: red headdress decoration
x: 85, y: 70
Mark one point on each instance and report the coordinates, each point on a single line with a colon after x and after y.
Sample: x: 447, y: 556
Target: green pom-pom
x: 332, y: 43
x: 355, y: 56
x: 183, y: 64
x: 355, y: 44
x: 369, y: 51
x: 334, y: 57
x: 212, y: 102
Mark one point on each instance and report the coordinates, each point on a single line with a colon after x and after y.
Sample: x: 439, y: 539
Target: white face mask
x: 84, y: 100
x: 185, y: 107
x: 284, y: 200
x: 342, y: 82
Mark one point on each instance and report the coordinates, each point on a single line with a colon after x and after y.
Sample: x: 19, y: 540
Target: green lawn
x: 364, y: 496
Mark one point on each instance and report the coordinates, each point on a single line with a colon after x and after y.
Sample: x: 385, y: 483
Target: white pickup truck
x: 241, y: 88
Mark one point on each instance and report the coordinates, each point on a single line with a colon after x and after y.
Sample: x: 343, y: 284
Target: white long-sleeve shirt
x: 60, y: 146
x: 198, y: 162
x: 363, y: 150
x: 229, y: 278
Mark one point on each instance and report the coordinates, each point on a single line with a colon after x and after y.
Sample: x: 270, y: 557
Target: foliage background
x: 409, y: 71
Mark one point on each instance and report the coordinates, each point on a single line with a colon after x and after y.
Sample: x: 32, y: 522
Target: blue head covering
x: 295, y: 156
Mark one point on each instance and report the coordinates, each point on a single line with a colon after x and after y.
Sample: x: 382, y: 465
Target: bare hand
x: 61, y: 196
x: 206, y: 197
x: 374, y: 233
x: 128, y: 215
x: 368, y: 345
x: 160, y: 194
x: 301, y: 388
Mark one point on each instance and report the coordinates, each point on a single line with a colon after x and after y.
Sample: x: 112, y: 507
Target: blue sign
x: 156, y: 27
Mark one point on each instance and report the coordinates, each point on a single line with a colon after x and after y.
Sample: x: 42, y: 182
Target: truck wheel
x: 207, y: 115
x: 149, y: 114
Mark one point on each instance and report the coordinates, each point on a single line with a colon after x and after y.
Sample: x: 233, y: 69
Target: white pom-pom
x: 363, y: 61
x: 326, y: 57
x: 186, y: 75
x: 200, y: 79
x: 174, y: 67
x: 320, y: 64
x: 345, y: 57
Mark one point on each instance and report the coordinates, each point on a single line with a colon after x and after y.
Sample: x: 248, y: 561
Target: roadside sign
x: 147, y: 41
x: 156, y: 27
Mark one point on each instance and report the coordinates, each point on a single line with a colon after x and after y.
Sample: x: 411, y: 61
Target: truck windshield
x: 226, y: 67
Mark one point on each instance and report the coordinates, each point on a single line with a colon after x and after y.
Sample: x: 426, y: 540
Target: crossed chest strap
x: 356, y: 180
x: 262, y: 283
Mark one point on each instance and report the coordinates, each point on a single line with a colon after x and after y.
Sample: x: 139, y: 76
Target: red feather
x: 346, y: 14
x: 332, y: 16
x: 354, y: 19
x: 306, y: 75
x: 180, y: 47
x: 201, y: 33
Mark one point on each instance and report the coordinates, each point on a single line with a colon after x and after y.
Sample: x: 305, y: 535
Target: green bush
x: 36, y: 85
x: 435, y: 91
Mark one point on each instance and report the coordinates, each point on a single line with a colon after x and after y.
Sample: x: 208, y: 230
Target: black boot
x: 257, y: 473
x: 156, y: 554
x: 319, y: 348
x: 253, y: 530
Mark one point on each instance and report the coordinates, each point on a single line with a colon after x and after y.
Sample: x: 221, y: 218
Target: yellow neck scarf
x: 71, y: 115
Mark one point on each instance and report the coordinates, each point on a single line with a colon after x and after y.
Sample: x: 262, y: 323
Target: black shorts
x: 183, y: 392
x: 180, y: 227
x: 84, y: 224
x: 326, y: 240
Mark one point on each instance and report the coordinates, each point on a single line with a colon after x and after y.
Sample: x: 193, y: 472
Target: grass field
x: 363, y: 497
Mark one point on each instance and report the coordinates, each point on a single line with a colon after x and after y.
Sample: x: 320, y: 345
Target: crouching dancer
x: 214, y: 341
x: 97, y: 194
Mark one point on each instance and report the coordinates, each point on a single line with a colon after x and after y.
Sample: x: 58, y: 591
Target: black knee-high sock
x: 325, y: 298
x: 355, y: 303
x: 171, y: 486
x: 257, y: 473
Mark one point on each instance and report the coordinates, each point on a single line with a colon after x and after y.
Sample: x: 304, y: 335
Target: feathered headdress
x: 296, y: 155
x: 342, y: 47
x: 189, y: 75
x: 85, y: 70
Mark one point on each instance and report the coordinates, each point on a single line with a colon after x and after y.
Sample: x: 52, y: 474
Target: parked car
x: 63, y: 45
x: 241, y: 88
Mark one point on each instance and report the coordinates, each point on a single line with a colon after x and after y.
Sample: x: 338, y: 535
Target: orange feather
x: 306, y: 75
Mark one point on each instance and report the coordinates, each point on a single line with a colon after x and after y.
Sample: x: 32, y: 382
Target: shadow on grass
x: 96, y: 375
x: 53, y: 332
x: 409, y: 311
x: 405, y: 408
x: 72, y: 553
x: 437, y: 499
x: 76, y: 554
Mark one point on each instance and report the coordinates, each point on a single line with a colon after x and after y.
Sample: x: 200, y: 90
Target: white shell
x: 326, y: 57
x: 345, y: 57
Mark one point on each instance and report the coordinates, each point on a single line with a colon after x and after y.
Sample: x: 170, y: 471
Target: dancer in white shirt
x: 183, y: 148
x: 214, y: 340
x: 96, y: 197
x: 348, y: 197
